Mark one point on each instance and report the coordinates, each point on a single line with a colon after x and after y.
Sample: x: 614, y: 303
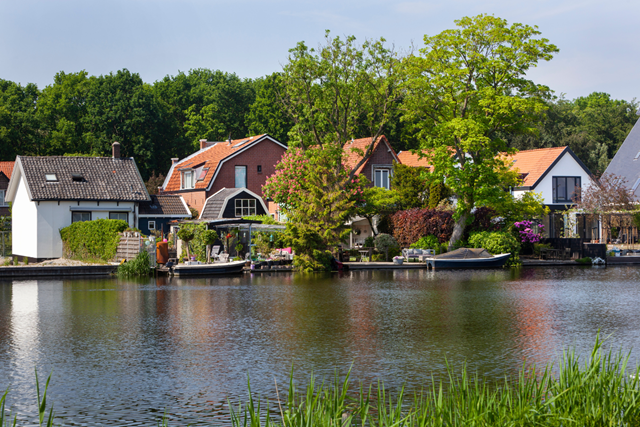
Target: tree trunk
x: 458, y: 229
x: 373, y: 230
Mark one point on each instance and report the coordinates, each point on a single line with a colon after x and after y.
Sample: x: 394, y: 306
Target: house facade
x: 158, y: 213
x: 240, y: 163
x: 6, y: 168
x: 50, y: 193
x: 626, y: 163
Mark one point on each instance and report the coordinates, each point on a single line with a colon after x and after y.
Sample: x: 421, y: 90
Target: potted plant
x: 398, y: 260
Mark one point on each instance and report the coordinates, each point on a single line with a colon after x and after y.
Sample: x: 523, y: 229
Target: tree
x: 316, y: 200
x: 266, y: 114
x: 19, y: 124
x: 339, y: 92
x: 377, y: 201
x: 187, y: 233
x: 410, y: 185
x: 467, y: 87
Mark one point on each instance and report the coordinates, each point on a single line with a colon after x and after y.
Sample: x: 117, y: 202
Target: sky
x: 598, y: 40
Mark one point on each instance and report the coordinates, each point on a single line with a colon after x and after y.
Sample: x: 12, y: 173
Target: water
x: 123, y: 352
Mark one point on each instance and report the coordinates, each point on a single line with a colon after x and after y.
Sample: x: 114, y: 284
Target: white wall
x: 567, y: 166
x: 24, y: 222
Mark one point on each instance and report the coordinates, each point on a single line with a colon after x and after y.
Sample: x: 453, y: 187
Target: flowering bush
x: 527, y: 235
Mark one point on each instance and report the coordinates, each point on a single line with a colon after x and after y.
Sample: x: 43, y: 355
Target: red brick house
x: 240, y: 163
x: 379, y: 167
x: 6, y: 168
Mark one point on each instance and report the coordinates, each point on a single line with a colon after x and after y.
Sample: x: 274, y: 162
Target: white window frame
x: 245, y: 209
x: 3, y: 200
x: 151, y: 225
x: 383, y: 180
x: 186, y: 185
x: 235, y: 176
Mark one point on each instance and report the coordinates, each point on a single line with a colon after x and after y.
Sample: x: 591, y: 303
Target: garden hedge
x: 92, y: 239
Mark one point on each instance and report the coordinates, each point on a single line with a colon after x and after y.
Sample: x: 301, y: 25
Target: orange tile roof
x: 410, y: 159
x: 532, y: 164
x: 209, y: 157
x: 352, y: 158
x: 7, y: 168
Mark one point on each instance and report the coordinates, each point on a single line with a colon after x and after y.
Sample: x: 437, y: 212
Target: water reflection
x: 122, y: 352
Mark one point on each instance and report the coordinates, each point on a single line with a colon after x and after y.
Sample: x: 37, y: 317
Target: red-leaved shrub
x: 410, y: 225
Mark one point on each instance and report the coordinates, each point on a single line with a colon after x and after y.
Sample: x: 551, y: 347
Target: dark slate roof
x: 214, y: 203
x: 103, y: 178
x: 626, y: 162
x: 164, y: 204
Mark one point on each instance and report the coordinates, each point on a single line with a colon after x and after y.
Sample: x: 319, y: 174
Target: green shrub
x: 377, y: 258
x: 426, y: 242
x: 137, y: 267
x: 385, y: 241
x: 585, y: 260
x: 369, y: 242
x: 497, y: 242
x: 92, y: 239
x: 394, y: 251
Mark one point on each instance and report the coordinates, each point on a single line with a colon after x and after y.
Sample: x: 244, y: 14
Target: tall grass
x: 599, y: 392
x: 5, y: 418
x: 137, y: 267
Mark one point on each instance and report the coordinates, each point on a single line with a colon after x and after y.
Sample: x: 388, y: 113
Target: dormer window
x: 51, y: 177
x: 188, y: 179
x: 77, y: 177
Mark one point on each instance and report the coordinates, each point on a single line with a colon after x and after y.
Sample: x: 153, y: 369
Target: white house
x: 50, y: 193
x: 558, y: 175
x: 626, y: 163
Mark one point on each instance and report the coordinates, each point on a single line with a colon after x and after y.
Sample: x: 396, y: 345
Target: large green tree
x: 266, y: 114
x: 465, y: 89
x: 19, y: 125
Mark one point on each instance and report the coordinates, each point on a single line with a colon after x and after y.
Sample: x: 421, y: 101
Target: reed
x: 5, y: 418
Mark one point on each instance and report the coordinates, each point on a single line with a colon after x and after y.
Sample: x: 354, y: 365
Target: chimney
x: 229, y: 139
x: 115, y: 150
x: 174, y: 160
x: 203, y: 143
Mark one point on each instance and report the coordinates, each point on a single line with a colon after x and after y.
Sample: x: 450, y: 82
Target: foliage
x: 314, y: 191
x: 376, y: 201
x: 369, y: 242
x: 310, y: 248
x: 384, y: 242
x: 411, y: 186
x: 537, y: 247
x: 137, y: 267
x: 265, y: 219
x: 187, y: 233
x: 426, y: 242
x: 525, y: 230
x: 585, y: 261
x: 598, y: 392
x: 154, y: 182
x: 593, y: 127
x: 267, y: 114
x: 485, y: 219
x: 410, y: 225
x: 339, y: 91
x: 467, y: 86
x: 92, y: 239
x: 437, y: 193
x: 497, y: 242
x: 528, y: 206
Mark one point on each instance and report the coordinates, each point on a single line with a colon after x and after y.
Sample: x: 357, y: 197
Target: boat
x: 186, y: 270
x: 467, y: 258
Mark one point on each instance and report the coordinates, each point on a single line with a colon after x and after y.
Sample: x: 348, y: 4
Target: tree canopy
x: 465, y: 89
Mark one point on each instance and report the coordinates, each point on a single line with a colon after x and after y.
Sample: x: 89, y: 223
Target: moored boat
x: 233, y: 267
x: 467, y: 258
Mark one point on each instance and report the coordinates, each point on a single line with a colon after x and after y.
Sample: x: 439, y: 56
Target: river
x: 123, y: 352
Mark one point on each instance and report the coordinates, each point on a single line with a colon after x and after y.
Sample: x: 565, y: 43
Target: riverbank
x: 60, y: 267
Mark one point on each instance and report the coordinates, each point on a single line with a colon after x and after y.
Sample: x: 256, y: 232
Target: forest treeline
x: 82, y: 114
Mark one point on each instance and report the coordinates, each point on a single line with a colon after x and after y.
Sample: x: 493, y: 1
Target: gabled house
x: 379, y: 166
x: 6, y: 168
x: 240, y: 163
x: 50, y: 193
x: 233, y: 203
x: 162, y: 209
x: 626, y: 163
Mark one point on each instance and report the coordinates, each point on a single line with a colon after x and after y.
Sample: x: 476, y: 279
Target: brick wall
x: 194, y: 199
x: 381, y: 156
x: 266, y: 154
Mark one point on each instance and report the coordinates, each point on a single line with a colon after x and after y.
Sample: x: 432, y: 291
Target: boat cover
x: 465, y: 253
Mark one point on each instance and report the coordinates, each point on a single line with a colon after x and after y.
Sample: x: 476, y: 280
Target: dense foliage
x: 92, y: 239
x: 410, y: 225
x: 497, y: 242
x: 137, y: 267
x: 426, y: 242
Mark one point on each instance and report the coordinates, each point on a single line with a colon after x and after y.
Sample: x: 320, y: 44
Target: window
x: 151, y: 225
x: 51, y: 177
x: 381, y: 178
x: 259, y: 168
x: 241, y: 177
x: 2, y: 201
x: 119, y: 215
x: 245, y: 207
x: 80, y: 216
x: 566, y: 188
x: 188, y: 180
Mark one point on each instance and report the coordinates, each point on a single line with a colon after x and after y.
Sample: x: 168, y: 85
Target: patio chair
x: 566, y: 254
x: 223, y: 257
x: 214, y: 252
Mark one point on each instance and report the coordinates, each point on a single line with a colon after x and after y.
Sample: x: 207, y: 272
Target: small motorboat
x: 467, y: 258
x: 187, y: 270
